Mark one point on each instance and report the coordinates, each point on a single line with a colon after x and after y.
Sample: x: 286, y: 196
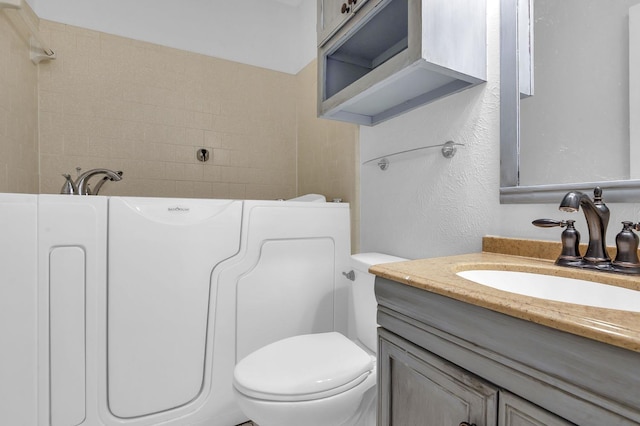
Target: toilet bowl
x: 319, y: 379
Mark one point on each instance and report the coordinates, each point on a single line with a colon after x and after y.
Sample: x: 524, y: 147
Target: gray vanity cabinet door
x: 515, y: 411
x: 418, y: 388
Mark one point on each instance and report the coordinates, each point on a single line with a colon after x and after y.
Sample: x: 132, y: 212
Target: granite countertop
x: 438, y: 275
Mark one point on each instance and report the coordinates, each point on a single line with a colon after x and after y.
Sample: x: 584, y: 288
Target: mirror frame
x: 511, y: 192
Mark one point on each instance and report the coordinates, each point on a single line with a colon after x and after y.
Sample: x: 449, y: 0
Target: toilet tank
x: 363, y: 296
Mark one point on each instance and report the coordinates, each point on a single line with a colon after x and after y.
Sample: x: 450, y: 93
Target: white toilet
x: 321, y: 379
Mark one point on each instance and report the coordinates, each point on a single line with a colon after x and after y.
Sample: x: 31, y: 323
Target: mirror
x: 575, y: 131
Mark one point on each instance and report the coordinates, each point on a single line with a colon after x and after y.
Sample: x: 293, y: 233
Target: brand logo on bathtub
x: 178, y: 209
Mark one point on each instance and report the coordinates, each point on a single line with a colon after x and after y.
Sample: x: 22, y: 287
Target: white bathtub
x: 134, y: 311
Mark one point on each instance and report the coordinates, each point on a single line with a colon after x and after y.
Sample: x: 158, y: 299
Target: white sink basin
x: 559, y: 289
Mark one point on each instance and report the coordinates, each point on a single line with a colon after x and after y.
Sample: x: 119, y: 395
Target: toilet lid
x: 305, y: 367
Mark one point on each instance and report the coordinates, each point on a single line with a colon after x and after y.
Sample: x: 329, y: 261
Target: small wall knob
x: 202, y: 155
x: 345, y: 8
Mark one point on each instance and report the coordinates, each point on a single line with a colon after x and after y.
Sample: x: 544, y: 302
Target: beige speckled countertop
x: 438, y: 275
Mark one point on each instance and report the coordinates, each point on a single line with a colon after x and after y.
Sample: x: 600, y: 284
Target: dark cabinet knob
x: 353, y: 2
x: 345, y: 8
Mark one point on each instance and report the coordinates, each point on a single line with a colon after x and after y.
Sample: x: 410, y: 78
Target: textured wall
x: 327, y: 152
x: 109, y: 101
x: 18, y: 108
x: 427, y: 206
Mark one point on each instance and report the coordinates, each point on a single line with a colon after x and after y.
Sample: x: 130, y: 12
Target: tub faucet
x: 597, y: 214
x: 82, y: 182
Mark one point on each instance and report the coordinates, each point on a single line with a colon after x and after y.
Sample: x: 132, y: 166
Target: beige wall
x: 18, y: 108
x: 113, y: 102
x: 328, y: 152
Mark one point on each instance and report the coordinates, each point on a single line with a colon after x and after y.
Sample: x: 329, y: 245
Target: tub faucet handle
x: 351, y: 276
x: 68, y: 188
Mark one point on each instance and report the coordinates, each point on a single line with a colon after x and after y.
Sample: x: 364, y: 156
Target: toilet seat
x: 303, y: 368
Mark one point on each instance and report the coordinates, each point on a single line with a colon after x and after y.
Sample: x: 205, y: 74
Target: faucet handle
x: 570, y: 239
x: 549, y: 223
x: 68, y: 188
x: 627, y: 245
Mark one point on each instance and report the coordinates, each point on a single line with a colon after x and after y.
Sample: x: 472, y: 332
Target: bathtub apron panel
x: 162, y: 253
x: 18, y: 309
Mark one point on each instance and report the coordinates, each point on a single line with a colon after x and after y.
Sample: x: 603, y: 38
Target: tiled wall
x: 113, y: 102
x: 18, y: 108
x: 109, y: 101
x: 328, y: 152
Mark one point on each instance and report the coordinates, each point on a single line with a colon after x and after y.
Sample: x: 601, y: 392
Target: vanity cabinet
x: 445, y: 362
x: 385, y: 57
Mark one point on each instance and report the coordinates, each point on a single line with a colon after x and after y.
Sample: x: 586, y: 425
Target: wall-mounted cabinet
x: 390, y: 56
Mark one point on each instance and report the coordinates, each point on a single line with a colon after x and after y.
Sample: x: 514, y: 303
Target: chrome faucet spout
x: 83, y: 179
x: 597, y: 215
x: 96, y: 188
